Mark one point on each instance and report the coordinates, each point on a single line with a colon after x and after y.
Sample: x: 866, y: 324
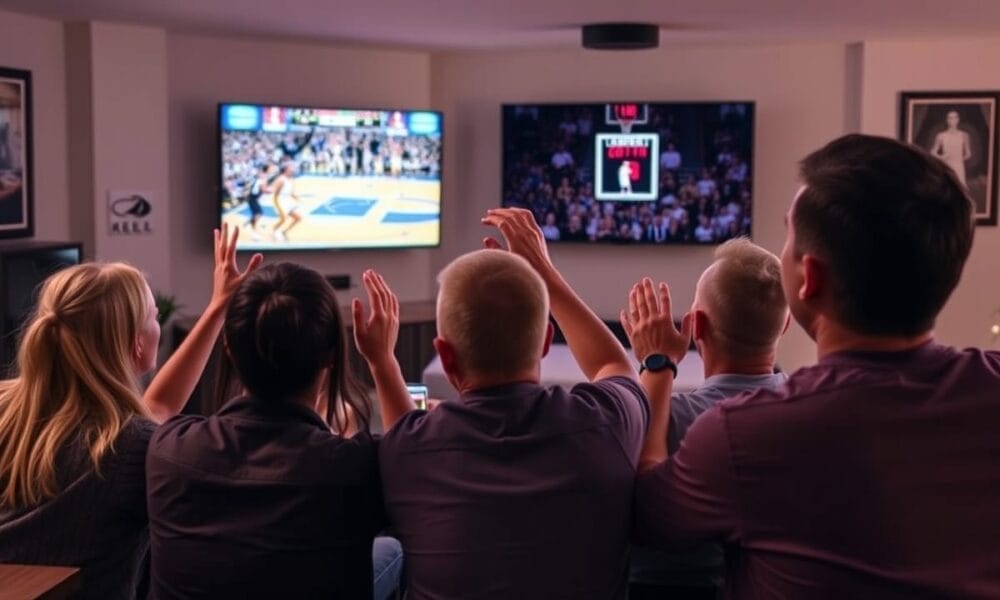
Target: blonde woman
x: 74, y: 424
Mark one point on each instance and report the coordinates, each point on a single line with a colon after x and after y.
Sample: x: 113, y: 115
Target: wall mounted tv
x: 302, y: 178
x: 632, y: 172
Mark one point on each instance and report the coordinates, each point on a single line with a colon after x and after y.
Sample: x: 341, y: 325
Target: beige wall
x: 130, y: 143
x: 941, y: 65
x: 37, y: 45
x: 204, y: 71
x: 801, y: 102
x: 80, y: 137
x: 806, y: 94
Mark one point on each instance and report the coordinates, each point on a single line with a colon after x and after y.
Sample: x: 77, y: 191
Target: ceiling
x: 484, y: 24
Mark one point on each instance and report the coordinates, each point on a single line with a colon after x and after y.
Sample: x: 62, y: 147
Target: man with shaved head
x: 738, y: 314
x: 518, y: 489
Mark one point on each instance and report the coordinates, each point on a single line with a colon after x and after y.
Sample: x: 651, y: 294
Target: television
x: 306, y: 178
x: 659, y: 173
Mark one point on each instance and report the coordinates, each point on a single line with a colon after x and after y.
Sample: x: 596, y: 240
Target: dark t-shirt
x: 96, y: 522
x: 517, y: 491
x: 869, y: 475
x: 261, y: 500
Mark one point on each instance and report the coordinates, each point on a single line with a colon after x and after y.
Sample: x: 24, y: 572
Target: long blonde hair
x: 76, y: 379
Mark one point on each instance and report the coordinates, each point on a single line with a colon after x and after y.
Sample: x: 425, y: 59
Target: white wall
x: 37, y: 45
x: 941, y: 65
x: 204, y: 71
x: 801, y: 102
x: 130, y: 143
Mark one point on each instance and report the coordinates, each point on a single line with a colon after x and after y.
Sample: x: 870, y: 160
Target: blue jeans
x: 387, y: 565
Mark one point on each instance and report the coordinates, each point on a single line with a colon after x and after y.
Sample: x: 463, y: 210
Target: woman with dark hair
x: 265, y: 498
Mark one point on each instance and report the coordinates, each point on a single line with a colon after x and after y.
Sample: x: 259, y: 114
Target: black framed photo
x: 960, y: 128
x: 16, y: 175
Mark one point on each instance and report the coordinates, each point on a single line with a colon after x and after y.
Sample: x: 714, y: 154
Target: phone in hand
x: 418, y: 393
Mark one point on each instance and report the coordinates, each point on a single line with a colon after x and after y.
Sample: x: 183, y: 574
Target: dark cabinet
x: 23, y: 267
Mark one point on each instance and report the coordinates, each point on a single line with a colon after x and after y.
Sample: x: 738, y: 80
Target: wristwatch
x: 657, y: 362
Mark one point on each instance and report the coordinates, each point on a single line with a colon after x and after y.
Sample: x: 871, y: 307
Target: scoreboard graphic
x: 626, y: 164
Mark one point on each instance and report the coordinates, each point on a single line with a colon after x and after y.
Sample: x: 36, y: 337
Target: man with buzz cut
x: 737, y: 317
x: 516, y: 490
x: 874, y: 473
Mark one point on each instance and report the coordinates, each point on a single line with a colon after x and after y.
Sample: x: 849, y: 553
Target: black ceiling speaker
x: 621, y: 36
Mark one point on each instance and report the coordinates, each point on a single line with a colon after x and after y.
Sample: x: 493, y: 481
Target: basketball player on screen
x: 261, y: 185
x: 290, y: 147
x: 625, y: 177
x: 395, y: 159
x: 286, y: 202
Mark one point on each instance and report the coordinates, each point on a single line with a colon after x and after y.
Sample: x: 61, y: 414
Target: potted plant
x: 166, y: 308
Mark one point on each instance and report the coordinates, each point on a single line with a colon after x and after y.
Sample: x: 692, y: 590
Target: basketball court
x: 352, y: 211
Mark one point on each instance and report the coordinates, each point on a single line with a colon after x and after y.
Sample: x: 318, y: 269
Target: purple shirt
x: 517, y: 491
x: 261, y: 500
x: 869, y: 475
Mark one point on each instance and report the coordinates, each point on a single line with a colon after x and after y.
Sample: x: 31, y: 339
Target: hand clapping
x: 650, y: 326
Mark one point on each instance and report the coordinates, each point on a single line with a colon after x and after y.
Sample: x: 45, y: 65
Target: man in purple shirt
x: 517, y: 490
x: 874, y: 473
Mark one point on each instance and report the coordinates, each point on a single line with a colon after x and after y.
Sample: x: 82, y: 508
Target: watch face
x: 655, y: 362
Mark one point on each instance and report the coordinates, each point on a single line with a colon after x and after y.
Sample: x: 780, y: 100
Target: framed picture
x: 16, y: 180
x: 960, y: 128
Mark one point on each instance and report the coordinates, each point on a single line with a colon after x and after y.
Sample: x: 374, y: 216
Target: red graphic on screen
x: 274, y: 115
x: 626, y: 111
x: 616, y: 152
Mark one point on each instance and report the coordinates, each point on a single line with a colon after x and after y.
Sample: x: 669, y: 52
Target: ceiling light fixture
x: 621, y: 36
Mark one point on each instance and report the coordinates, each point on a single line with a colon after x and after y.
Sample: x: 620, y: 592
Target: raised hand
x: 649, y: 324
x: 175, y: 382
x: 522, y: 234
x: 376, y: 336
x: 227, y: 276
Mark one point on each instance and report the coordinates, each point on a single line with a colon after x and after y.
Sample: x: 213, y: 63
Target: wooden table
x: 21, y: 582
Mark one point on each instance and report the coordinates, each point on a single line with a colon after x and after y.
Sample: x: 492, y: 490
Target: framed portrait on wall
x: 960, y: 128
x: 16, y: 176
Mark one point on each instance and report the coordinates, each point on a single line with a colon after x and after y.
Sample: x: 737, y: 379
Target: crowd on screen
x: 704, y: 195
x: 336, y: 152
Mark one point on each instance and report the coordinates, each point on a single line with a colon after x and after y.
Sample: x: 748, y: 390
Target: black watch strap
x: 657, y: 362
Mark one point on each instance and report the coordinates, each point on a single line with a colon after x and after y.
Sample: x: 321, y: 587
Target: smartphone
x: 418, y: 393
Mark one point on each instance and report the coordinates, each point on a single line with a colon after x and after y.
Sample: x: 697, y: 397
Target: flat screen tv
x: 305, y: 178
x: 632, y: 172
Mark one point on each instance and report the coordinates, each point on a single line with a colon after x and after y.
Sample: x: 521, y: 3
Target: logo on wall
x: 128, y: 213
